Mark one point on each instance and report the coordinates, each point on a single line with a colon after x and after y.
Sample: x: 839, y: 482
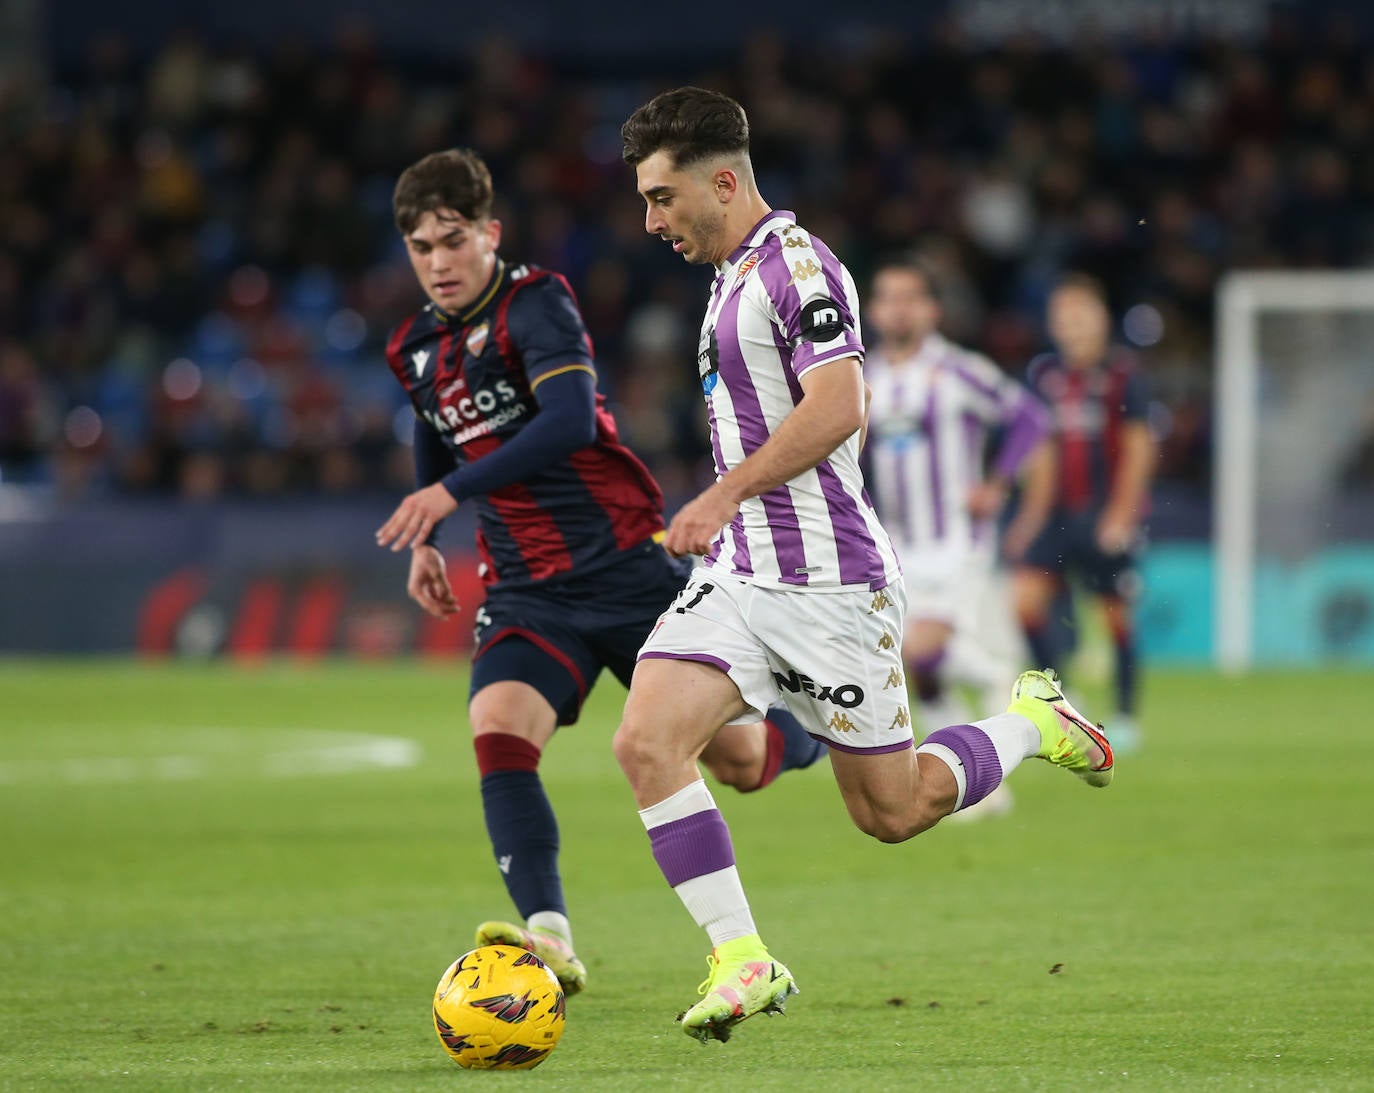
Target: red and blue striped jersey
x: 472, y: 375
x: 1089, y: 407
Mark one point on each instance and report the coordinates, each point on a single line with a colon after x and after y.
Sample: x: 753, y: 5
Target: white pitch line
x: 294, y: 753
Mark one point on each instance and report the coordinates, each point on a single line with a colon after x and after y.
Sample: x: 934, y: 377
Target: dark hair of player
x: 456, y: 179
x: 689, y: 123
x: 911, y: 263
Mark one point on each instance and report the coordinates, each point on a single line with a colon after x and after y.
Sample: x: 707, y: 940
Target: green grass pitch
x: 218, y: 878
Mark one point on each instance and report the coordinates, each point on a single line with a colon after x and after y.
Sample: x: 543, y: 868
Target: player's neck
x: 904, y: 351
x: 741, y: 218
x: 1087, y: 361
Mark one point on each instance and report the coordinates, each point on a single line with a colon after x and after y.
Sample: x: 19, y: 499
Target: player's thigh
x: 1033, y: 590
x: 674, y: 708
x: 708, y: 624
x: 513, y: 708
x: 529, y: 639
x: 925, y: 637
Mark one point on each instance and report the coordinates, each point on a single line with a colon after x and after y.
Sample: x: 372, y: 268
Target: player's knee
x: 733, y: 771
x: 632, y: 748
x: 886, y: 828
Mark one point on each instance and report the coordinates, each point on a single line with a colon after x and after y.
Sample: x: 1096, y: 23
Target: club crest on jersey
x: 746, y: 266
x: 477, y: 338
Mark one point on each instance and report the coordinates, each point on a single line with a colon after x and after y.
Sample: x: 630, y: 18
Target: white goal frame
x: 1241, y: 297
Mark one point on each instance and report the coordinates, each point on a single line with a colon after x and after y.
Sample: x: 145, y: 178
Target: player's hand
x: 428, y: 584
x: 985, y: 499
x: 415, y: 517
x: 1115, y: 533
x: 698, y: 522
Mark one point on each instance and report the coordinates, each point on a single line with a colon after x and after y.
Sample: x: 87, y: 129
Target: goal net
x: 1294, y: 469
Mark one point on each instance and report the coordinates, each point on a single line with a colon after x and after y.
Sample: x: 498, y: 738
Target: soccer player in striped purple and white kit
x: 938, y: 489
x: 798, y: 595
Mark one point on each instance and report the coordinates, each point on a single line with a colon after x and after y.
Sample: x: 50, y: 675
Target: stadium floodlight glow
x: 1241, y: 300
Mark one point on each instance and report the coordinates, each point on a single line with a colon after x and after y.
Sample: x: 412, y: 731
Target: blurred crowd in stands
x: 198, y: 268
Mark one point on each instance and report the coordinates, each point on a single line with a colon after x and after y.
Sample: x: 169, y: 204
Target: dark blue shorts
x: 1068, y: 548
x: 558, y: 637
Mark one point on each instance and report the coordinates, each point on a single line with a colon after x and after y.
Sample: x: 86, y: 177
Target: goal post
x: 1263, y: 375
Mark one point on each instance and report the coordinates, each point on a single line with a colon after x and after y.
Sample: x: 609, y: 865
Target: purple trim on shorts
x: 692, y: 846
x: 701, y: 658
x: 982, y: 768
x: 849, y: 749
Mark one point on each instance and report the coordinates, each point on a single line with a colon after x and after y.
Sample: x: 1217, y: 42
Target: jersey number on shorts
x: 701, y: 593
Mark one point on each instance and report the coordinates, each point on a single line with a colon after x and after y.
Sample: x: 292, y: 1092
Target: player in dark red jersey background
x: 1104, y: 459
x: 499, y: 369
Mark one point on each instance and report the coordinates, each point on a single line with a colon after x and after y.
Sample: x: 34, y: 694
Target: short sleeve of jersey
x: 546, y: 328
x: 815, y: 299
x: 992, y: 394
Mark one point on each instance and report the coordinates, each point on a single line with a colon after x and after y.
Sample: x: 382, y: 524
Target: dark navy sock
x: 926, y: 674
x: 799, y: 748
x: 520, y: 823
x: 1127, y: 665
x: 1043, y: 649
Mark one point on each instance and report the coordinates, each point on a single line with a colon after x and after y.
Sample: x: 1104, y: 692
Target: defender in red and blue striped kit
x: 499, y: 369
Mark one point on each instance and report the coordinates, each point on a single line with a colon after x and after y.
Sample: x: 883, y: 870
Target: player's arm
x: 1130, y: 487
x: 1036, y: 502
x: 1025, y: 423
x: 868, y: 405
x: 427, y: 583
x: 565, y: 422
x: 831, y: 410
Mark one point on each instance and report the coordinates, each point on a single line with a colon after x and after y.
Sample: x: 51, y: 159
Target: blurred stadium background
x: 198, y: 433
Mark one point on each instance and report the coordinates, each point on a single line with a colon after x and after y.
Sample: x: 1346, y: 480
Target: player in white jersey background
x: 937, y: 409
x: 798, y: 595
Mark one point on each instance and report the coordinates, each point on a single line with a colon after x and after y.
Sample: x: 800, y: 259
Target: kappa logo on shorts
x: 846, y: 695
x: 894, y: 679
x: 901, y: 721
x: 840, y: 723
x: 887, y: 641
x: 881, y: 601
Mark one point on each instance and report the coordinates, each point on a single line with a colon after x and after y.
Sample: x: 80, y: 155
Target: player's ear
x: 493, y: 230
x: 725, y: 183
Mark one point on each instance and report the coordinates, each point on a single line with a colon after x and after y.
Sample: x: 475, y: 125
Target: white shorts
x: 946, y: 586
x: 833, y: 658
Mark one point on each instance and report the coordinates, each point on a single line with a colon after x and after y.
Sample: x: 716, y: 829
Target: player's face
x: 1079, y: 325
x: 681, y: 209
x: 453, y: 256
x: 901, y: 309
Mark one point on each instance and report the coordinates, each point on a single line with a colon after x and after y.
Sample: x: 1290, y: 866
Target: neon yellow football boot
x: 744, y: 980
x: 1067, y: 738
x: 545, y: 944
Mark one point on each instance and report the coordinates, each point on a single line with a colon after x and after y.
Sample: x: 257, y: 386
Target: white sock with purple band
x: 692, y: 846
x: 981, y: 754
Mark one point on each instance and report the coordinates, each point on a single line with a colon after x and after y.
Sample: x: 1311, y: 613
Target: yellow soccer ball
x: 499, y: 1008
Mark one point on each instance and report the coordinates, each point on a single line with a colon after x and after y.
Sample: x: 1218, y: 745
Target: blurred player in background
x: 499, y: 369
x: 935, y: 409
x: 1104, y: 459
x: 798, y: 595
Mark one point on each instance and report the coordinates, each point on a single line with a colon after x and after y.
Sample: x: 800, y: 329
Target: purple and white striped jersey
x: 927, y: 435
x: 781, y: 305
